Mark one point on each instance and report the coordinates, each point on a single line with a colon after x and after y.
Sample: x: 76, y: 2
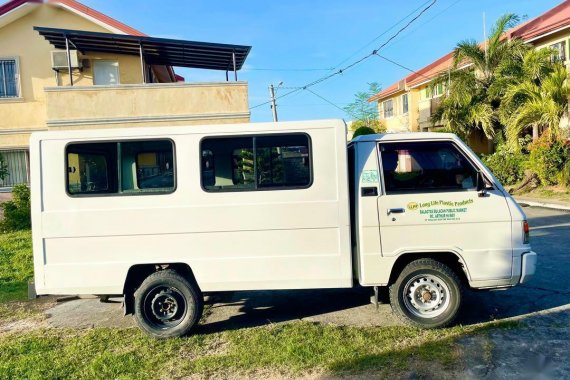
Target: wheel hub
x: 426, y: 296
x: 164, y: 305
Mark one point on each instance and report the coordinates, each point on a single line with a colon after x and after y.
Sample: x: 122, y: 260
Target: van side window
x: 120, y: 167
x: 425, y: 166
x: 279, y: 161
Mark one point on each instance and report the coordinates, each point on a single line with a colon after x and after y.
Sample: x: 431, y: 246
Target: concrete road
x: 543, y: 305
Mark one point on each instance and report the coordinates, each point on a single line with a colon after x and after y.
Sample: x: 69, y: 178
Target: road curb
x: 555, y: 206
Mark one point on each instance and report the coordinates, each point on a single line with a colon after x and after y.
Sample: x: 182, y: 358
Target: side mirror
x: 481, y: 185
x: 480, y: 182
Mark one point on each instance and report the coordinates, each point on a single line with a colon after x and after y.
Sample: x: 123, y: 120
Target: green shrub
x: 507, y: 165
x: 363, y: 131
x: 564, y: 175
x: 547, y: 158
x: 17, y: 211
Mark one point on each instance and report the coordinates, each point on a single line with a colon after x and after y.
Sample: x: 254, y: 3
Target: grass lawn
x: 556, y: 193
x: 284, y: 349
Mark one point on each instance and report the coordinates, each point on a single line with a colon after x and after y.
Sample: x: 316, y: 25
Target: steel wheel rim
x: 426, y: 296
x: 165, y: 307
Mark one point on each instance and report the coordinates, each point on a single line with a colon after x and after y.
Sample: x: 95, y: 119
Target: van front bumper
x: 528, y: 267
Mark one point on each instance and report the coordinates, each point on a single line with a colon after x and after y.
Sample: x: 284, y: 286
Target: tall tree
x: 474, y: 85
x: 365, y: 114
x: 536, y: 100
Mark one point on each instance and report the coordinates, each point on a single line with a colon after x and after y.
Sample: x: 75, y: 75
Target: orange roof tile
x: 554, y: 19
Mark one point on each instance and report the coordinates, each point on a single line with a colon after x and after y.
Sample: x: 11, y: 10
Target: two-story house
x: 408, y: 104
x: 66, y: 66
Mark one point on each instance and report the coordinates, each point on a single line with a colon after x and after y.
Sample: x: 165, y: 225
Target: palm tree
x: 537, y: 99
x: 475, y: 85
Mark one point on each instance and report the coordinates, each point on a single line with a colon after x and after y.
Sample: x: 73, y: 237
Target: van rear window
x: 130, y: 167
x: 279, y: 161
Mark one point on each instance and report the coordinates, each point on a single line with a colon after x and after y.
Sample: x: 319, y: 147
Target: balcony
x: 156, y: 104
x: 426, y: 108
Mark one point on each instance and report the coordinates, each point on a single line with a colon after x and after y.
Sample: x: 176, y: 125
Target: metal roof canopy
x: 153, y: 51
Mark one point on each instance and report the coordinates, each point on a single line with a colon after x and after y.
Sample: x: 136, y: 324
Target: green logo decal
x: 370, y: 176
x: 441, y: 210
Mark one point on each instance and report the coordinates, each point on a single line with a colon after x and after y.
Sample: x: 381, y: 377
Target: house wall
x: 400, y: 121
x: 155, y: 104
x: 20, y: 117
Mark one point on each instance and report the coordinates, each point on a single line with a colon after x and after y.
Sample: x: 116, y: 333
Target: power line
x: 329, y: 102
x: 284, y: 69
x: 426, y: 22
x: 380, y: 35
x: 402, y: 66
x: 340, y: 71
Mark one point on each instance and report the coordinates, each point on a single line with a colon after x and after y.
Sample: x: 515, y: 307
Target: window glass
x: 405, y: 103
x: 417, y: 167
x: 559, y: 51
x: 91, y: 168
x: 120, y: 167
x: 278, y: 161
x: 8, y: 78
x: 388, y: 108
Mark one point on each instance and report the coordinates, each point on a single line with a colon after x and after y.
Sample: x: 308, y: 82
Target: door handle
x: 369, y: 191
x: 396, y: 211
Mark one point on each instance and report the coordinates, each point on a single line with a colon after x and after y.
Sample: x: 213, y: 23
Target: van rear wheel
x: 427, y: 294
x: 167, y: 305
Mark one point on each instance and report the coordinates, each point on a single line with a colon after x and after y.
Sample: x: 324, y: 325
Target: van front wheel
x: 427, y: 294
x: 167, y: 305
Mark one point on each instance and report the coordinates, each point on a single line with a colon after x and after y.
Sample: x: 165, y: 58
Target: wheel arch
x: 449, y: 258
x: 138, y: 272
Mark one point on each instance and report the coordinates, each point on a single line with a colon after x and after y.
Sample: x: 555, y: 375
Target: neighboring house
x: 120, y: 77
x: 408, y: 104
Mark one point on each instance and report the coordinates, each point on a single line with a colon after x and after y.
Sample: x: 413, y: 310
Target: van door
x: 430, y: 203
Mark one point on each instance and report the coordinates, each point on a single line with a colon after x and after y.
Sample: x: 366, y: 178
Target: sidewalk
x: 542, y: 202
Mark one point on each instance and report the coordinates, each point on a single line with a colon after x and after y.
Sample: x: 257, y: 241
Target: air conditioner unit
x: 59, y: 59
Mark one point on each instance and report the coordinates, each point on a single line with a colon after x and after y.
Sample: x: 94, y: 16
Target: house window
x: 277, y: 162
x: 559, y: 53
x: 120, y: 167
x: 388, y: 108
x: 405, y: 103
x: 8, y: 78
x: 105, y: 73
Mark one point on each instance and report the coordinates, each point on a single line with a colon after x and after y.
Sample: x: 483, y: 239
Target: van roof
x: 406, y: 136
x: 214, y: 129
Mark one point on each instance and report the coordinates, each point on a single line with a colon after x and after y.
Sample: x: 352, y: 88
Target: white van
x: 162, y: 215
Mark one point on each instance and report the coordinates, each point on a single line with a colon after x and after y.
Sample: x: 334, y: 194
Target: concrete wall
x: 86, y: 106
x: 19, y: 117
x: 146, y: 105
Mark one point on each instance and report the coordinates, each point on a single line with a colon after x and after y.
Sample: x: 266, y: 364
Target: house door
x: 106, y: 73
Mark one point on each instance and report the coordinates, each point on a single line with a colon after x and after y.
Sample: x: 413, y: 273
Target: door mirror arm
x: 481, y: 185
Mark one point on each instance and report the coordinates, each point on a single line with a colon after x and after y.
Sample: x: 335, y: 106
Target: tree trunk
x: 534, y: 132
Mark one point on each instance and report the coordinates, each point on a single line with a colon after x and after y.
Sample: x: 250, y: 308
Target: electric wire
x: 353, y: 64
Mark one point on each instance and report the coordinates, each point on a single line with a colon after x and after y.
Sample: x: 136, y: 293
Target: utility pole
x: 273, y: 105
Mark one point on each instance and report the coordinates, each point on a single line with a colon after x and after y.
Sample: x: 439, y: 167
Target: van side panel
x: 272, y: 239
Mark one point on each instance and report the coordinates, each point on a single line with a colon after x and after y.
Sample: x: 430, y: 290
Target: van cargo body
x: 161, y: 215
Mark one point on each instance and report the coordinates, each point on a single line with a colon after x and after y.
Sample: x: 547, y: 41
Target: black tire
x: 433, y: 284
x: 167, y: 305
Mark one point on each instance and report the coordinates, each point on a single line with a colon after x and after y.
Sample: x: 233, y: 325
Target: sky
x: 297, y: 42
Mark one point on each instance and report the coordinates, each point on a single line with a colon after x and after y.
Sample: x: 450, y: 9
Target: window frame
x: 118, y: 179
x: 18, y: 96
x: 256, y: 188
x: 95, y: 61
x: 406, y: 103
x: 384, y: 109
x: 427, y: 191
